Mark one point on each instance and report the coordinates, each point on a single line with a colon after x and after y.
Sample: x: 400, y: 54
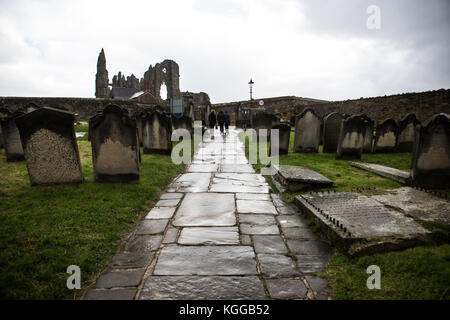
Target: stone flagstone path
x: 218, y: 233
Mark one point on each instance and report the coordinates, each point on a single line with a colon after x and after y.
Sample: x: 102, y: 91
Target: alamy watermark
x: 374, y: 20
x: 74, y: 281
x: 374, y: 281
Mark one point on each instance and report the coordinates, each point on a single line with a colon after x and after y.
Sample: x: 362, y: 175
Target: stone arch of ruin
x: 166, y: 72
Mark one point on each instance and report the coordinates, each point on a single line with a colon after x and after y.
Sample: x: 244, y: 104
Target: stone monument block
x: 11, y: 135
x: 430, y: 166
x: 156, y: 132
x: 307, y: 132
x: 386, y: 136
x: 184, y: 122
x: 368, y: 133
x: 262, y: 120
x: 285, y: 136
x: 296, y: 178
x: 50, y: 146
x: 331, y: 129
x: 115, y: 146
x: 405, y: 137
x: 351, y: 138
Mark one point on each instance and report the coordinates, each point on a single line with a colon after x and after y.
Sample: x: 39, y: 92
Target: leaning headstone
x: 284, y: 136
x: 386, y: 136
x: 50, y: 146
x: 368, y: 133
x: 11, y: 135
x: 331, y: 129
x: 430, y: 166
x: 307, y: 132
x: 184, y: 122
x: 115, y: 146
x: 405, y: 137
x: 156, y: 132
x: 351, y: 138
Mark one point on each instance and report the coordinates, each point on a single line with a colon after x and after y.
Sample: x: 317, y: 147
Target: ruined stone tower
x: 101, y: 78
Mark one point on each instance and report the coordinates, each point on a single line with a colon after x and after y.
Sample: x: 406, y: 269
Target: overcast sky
x: 314, y: 48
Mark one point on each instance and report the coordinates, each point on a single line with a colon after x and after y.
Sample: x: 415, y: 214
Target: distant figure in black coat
x: 212, y: 122
x: 221, y: 120
x: 227, y: 121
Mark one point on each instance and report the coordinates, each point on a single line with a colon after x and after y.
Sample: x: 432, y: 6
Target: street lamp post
x: 250, y: 84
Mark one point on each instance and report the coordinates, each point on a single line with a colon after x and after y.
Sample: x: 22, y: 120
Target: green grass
x: 44, y: 229
x: 418, y: 273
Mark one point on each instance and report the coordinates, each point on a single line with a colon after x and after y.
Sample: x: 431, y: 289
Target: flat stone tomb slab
x: 202, y: 168
x: 237, y: 168
x: 419, y: 204
x: 203, y: 288
x: 206, y: 260
x: 191, y: 182
x: 362, y: 216
x: 161, y: 213
x: 256, y: 206
x: 400, y: 176
x: 206, y: 209
x: 296, y: 178
x: 209, y: 236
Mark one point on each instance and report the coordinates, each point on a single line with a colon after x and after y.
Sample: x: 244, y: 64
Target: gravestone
x: 3, y: 114
x: 262, y: 120
x: 331, y: 129
x: 405, y: 137
x: 430, y: 166
x: 285, y: 136
x: 184, y: 122
x: 156, y: 132
x: 386, y: 136
x: 368, y: 133
x: 11, y: 135
x: 307, y: 132
x: 139, y: 128
x: 296, y: 178
x: 351, y: 138
x: 50, y: 146
x: 115, y: 146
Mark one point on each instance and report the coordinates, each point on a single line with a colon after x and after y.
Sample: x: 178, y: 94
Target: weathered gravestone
x: 331, y: 129
x: 139, y: 128
x: 262, y: 120
x: 156, y: 132
x: 430, y: 166
x: 184, y: 122
x: 368, y: 133
x: 405, y: 137
x: 296, y: 178
x: 11, y: 136
x: 3, y: 114
x: 50, y: 146
x: 351, y: 138
x: 386, y: 136
x: 284, y: 137
x: 307, y: 132
x: 115, y: 146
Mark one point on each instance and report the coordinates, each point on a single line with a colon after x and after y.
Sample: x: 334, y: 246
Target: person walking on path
x: 212, y: 122
x: 221, y: 120
x: 227, y: 122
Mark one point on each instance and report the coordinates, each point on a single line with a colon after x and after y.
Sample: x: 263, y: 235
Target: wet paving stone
x: 257, y: 219
x: 131, y: 260
x: 252, y: 196
x: 171, y: 235
x: 312, y: 264
x: 120, y: 279
x: 191, y: 182
x: 203, y: 168
x: 308, y: 247
x: 256, y: 206
x: 112, y: 294
x: 299, y: 233
x: 258, y: 229
x: 286, y: 210
x: 288, y: 221
x: 286, y: 288
x: 206, y: 260
x: 318, y: 284
x: 206, y: 209
x: 161, y: 213
x: 171, y: 195
x: 203, y: 288
x: 269, y: 244
x: 237, y: 168
x: 246, y: 240
x: 277, y: 266
x: 143, y: 243
x: 151, y: 226
x: 209, y: 236
x: 167, y: 203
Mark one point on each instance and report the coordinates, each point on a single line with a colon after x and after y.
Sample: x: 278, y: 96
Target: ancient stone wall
x: 423, y: 104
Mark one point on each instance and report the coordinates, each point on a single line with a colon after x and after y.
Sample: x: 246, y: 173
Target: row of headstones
x: 45, y: 138
x: 350, y: 136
